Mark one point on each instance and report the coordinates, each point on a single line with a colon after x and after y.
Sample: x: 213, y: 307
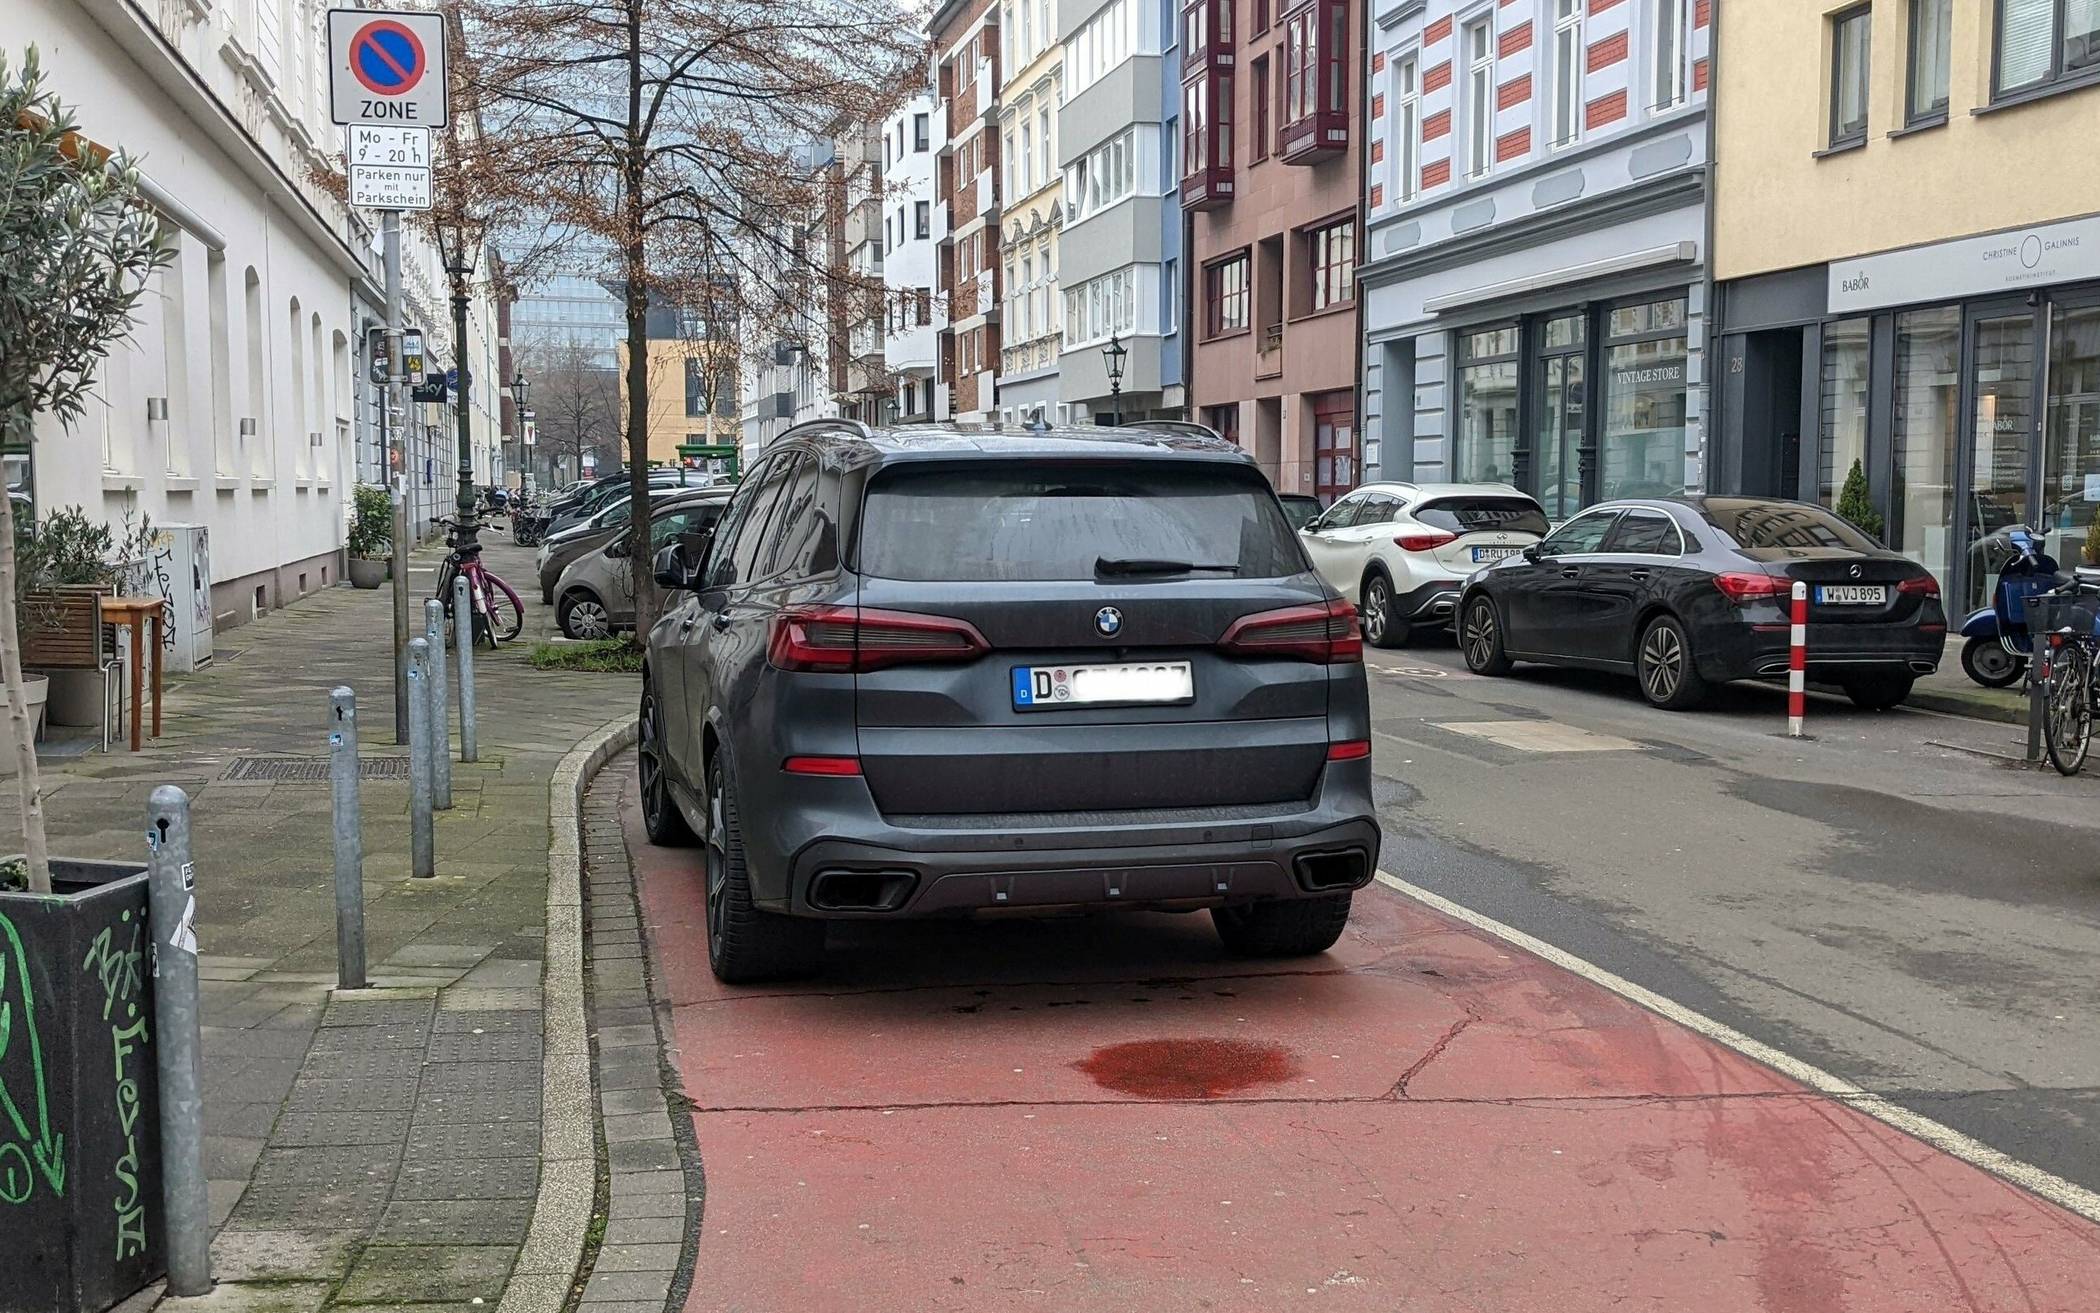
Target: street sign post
x: 389, y: 167
x: 386, y: 67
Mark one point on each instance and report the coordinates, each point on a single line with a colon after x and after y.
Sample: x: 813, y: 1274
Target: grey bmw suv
x: 944, y: 672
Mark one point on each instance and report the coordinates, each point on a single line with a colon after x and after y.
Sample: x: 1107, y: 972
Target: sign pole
x: 390, y: 231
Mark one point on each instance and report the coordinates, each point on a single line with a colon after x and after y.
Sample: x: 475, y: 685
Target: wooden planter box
x: 80, y: 1194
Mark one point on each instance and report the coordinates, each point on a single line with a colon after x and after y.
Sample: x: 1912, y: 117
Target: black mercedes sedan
x: 1687, y: 592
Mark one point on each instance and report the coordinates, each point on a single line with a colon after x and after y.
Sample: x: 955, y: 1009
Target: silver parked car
x: 595, y: 594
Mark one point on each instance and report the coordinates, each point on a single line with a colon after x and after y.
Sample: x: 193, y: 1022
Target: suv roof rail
x: 1173, y: 426
x: 832, y: 423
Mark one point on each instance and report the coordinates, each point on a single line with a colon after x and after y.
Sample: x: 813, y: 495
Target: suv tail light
x: 1425, y: 541
x: 843, y: 639
x: 1922, y: 586
x: 1741, y: 586
x: 1326, y: 633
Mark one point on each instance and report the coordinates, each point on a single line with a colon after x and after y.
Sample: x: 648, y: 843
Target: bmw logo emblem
x: 1108, y: 622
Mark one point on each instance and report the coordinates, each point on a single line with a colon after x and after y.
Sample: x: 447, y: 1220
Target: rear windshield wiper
x: 1130, y: 565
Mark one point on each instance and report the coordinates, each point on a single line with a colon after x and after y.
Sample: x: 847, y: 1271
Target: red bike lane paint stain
x: 1187, y: 1068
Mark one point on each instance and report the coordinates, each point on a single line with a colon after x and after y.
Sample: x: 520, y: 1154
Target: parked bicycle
x: 498, y: 614
x: 2070, y: 674
x: 528, y: 520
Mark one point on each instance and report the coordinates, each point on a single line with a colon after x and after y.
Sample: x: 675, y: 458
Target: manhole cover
x: 314, y: 769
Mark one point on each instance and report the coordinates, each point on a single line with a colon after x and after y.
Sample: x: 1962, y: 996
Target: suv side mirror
x: 1532, y: 553
x: 620, y: 546
x: 669, y: 567
x: 1313, y: 525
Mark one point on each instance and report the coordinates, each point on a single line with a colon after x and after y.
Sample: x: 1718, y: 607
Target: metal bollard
x: 463, y: 644
x: 422, y: 860
x: 440, y: 707
x: 178, y: 1043
x: 349, y: 840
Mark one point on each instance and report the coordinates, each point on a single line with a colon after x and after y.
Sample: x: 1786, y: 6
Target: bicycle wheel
x: 2067, y: 708
x: 506, y: 614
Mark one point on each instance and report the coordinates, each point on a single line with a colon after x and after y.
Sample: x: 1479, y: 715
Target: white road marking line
x: 1538, y: 735
x: 2064, y: 1194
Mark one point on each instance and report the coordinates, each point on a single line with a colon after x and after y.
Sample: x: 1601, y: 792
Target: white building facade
x: 914, y: 223
x: 242, y: 401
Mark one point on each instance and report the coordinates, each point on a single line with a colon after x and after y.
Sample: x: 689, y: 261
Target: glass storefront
x: 2071, y: 450
x: 1523, y: 411
x: 1843, y: 424
x: 1928, y: 394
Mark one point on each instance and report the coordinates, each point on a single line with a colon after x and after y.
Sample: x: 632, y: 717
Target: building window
x: 1842, y: 408
x: 919, y: 132
x: 1258, y: 145
x: 1333, y: 264
x: 922, y: 305
x: 2045, y: 41
x: 1669, y: 79
x: 1566, y: 125
x: 1480, y: 98
x: 1931, y: 31
x: 1644, y: 400
x: 1407, y: 128
x: 1042, y: 137
x: 1224, y: 421
x: 1102, y: 177
x: 922, y: 219
x: 1486, y: 451
x: 1848, y: 77
x: 1225, y: 296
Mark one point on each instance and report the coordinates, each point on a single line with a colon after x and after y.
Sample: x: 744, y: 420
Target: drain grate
x: 312, y: 769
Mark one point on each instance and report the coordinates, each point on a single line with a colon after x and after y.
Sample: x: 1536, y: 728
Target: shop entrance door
x: 2000, y: 366
x: 1560, y: 411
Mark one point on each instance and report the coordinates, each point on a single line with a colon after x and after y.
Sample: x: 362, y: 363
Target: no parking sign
x: 386, y: 67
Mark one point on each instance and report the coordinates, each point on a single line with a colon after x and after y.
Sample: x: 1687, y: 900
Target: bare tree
x: 575, y: 400
x: 669, y: 133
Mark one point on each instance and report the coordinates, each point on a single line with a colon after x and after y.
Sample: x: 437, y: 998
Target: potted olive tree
x: 371, y: 541
x: 79, y: 1104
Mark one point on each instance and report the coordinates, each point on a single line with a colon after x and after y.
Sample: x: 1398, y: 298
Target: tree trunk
x: 23, y: 734
x: 634, y: 251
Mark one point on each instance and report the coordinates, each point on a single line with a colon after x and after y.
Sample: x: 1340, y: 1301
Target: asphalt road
x: 1885, y: 900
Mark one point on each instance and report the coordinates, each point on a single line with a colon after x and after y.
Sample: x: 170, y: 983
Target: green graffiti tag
x: 116, y: 967
x: 44, y: 1146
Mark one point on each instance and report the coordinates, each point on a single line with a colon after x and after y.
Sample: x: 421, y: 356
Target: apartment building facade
x: 1907, y: 242
x: 862, y: 377
x: 1271, y: 137
x: 1032, y: 214
x: 915, y: 224
x: 243, y: 400
x: 967, y: 74
x: 1536, y: 215
x: 1122, y: 239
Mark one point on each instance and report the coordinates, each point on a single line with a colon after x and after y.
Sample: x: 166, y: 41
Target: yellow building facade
x: 1906, y: 244
x: 685, y: 376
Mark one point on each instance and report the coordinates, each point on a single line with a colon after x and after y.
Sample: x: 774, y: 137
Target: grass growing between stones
x: 612, y: 656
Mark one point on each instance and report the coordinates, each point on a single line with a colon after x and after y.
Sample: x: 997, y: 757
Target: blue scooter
x: 2000, y: 645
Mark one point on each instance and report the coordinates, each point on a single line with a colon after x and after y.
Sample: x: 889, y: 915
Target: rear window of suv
x: 1483, y: 515
x: 1012, y: 521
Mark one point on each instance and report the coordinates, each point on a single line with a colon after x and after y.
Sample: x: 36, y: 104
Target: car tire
x: 1986, y: 661
x: 583, y: 616
x: 1480, y: 638
x: 1383, y: 626
x: 1878, y: 692
x: 1293, y: 927
x: 1665, y: 667
x: 661, y: 819
x: 744, y: 944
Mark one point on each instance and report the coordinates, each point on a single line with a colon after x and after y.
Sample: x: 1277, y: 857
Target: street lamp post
x: 1113, y: 353
x: 466, y: 540
x: 518, y: 388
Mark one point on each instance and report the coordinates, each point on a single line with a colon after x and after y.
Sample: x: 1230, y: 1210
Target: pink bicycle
x: 498, y: 614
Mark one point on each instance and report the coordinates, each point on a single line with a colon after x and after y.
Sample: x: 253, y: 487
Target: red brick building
x: 966, y: 51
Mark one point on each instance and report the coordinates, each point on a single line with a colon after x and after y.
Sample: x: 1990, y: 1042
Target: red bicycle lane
x: 1111, y: 1114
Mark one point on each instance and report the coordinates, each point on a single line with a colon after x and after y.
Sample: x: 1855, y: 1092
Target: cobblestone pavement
x: 382, y: 1147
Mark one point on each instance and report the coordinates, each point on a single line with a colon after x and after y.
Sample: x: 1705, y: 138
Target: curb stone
x: 561, y: 1213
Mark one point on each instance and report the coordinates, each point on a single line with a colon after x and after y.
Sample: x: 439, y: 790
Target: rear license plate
x: 1046, y: 688
x: 1851, y: 595
x: 1483, y: 555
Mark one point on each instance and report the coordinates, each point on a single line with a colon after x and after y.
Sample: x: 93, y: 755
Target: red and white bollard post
x: 1797, y: 665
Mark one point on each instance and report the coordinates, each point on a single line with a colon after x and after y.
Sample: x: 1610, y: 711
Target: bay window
x: 1206, y: 140
x: 1316, y: 75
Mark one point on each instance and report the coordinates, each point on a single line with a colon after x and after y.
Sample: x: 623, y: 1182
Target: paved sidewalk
x: 384, y: 1147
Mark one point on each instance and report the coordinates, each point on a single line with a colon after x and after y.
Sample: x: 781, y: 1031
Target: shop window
x: 1332, y: 262
x: 2041, y: 42
x: 2071, y: 454
x: 1842, y: 408
x: 1928, y: 392
x: 1931, y: 32
x: 1315, y: 82
x: 1642, y: 443
x: 1486, y: 449
x: 1848, y: 76
x: 1225, y: 296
